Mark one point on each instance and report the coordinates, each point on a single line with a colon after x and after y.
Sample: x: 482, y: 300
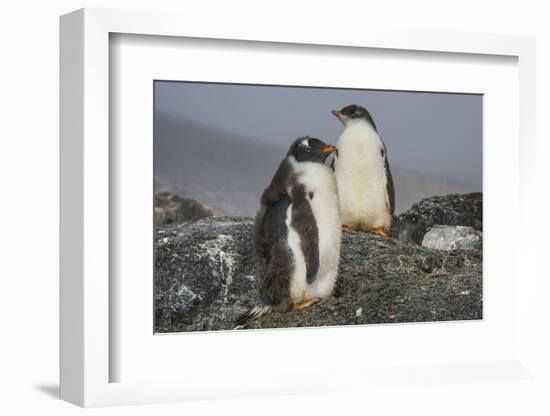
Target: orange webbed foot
x: 379, y: 231
x: 306, y: 304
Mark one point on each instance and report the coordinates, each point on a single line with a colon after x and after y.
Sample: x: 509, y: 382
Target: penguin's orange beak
x: 328, y: 149
x: 336, y: 113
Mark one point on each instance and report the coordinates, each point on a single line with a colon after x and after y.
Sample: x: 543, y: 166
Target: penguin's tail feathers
x: 252, y: 313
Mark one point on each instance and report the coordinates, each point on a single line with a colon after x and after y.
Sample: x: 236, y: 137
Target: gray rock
x: 201, y: 269
x: 205, y: 277
x: 173, y: 208
x: 449, y: 237
x: 454, y: 209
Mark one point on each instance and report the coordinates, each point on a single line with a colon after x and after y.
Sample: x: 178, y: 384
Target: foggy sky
x: 436, y: 134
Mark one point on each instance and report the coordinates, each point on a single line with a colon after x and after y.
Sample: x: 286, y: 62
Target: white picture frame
x: 86, y: 356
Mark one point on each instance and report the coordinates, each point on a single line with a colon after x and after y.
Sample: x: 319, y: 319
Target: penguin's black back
x: 274, y: 226
x: 270, y: 224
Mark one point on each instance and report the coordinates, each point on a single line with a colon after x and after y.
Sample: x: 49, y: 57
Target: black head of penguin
x: 354, y: 112
x: 310, y: 149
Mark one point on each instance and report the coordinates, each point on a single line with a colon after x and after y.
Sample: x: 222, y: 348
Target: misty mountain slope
x: 229, y: 172
x: 225, y: 171
x: 412, y: 186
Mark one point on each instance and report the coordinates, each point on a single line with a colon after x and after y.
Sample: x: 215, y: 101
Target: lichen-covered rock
x: 199, y: 268
x: 449, y: 237
x: 454, y: 209
x: 172, y: 208
x: 205, y: 277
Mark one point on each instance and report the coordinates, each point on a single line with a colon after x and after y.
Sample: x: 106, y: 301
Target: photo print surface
x: 284, y: 206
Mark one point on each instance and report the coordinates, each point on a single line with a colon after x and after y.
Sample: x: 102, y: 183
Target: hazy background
x: 221, y: 143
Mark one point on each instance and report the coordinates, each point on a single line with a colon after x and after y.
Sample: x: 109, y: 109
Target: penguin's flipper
x: 303, y: 221
x: 333, y: 161
x: 390, y: 190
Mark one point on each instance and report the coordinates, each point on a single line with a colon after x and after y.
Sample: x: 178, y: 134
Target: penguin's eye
x: 307, y: 149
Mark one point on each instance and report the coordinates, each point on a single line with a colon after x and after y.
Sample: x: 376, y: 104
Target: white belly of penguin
x: 361, y: 179
x: 324, y: 204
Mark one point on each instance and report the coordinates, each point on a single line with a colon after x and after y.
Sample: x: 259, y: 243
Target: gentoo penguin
x: 297, y: 232
x: 365, y: 184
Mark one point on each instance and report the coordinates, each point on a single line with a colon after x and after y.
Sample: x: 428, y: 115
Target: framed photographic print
x: 227, y: 198
x: 216, y: 149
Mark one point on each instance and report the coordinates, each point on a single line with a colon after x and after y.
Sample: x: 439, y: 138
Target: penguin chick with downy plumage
x: 297, y: 232
x: 365, y: 184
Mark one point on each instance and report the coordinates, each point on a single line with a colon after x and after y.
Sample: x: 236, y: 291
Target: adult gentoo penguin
x: 365, y: 184
x: 297, y: 232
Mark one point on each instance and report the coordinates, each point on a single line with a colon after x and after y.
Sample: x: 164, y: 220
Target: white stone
x: 452, y: 237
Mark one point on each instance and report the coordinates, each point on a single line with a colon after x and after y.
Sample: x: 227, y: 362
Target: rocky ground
x: 205, y: 277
